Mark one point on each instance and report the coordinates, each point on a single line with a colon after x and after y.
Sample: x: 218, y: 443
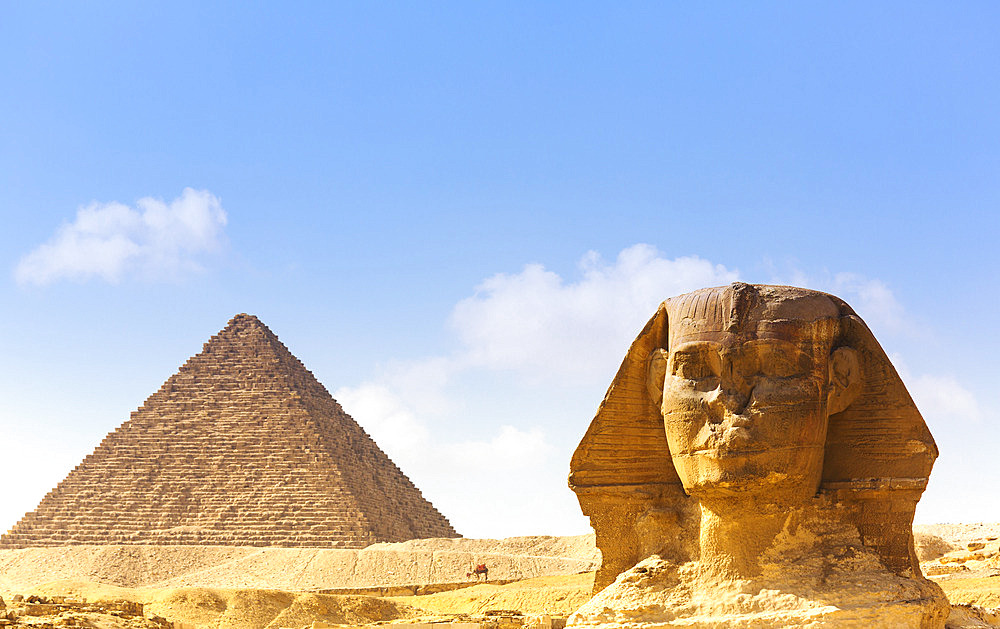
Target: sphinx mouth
x: 721, y: 437
x: 727, y: 452
x: 730, y: 452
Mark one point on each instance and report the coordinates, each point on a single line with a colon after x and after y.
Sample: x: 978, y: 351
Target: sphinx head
x: 746, y: 386
x: 749, y: 391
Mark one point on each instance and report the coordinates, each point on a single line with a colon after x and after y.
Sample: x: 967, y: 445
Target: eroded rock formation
x: 756, y: 463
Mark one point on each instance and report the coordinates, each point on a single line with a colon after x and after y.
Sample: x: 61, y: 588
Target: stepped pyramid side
x: 242, y: 446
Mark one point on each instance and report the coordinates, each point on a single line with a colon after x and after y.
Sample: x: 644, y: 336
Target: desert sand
x: 532, y: 580
x: 243, y: 587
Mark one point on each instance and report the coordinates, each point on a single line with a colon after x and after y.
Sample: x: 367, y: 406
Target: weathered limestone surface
x: 243, y: 446
x: 756, y: 462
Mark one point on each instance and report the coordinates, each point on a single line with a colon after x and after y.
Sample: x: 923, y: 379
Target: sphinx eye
x: 695, y: 365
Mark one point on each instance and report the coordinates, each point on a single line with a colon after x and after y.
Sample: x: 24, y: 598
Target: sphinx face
x: 747, y: 413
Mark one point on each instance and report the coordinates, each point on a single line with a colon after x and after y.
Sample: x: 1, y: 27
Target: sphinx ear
x: 656, y: 372
x: 844, y: 378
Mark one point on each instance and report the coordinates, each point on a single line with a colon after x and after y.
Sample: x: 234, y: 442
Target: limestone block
x: 540, y: 621
x: 929, y: 547
x: 937, y: 570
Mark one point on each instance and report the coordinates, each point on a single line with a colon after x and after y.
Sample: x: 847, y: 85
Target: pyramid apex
x: 243, y: 320
x: 241, y: 326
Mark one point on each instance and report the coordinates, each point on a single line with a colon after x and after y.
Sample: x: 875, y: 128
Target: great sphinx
x: 756, y: 462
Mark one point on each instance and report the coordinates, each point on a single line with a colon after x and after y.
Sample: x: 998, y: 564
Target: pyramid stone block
x: 241, y: 447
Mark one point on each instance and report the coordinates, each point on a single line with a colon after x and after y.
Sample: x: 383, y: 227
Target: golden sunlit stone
x: 756, y: 463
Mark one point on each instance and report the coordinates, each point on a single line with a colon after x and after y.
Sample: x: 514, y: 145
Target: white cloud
x: 538, y: 324
x: 395, y: 427
x: 467, y: 479
x: 943, y: 400
x: 870, y: 298
x: 510, y: 451
x: 422, y: 382
x: 382, y: 413
x: 111, y: 240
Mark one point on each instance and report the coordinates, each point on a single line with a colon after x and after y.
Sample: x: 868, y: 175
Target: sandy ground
x: 218, y: 608
x: 297, y: 569
x: 555, y: 595
x: 229, y: 588
x: 964, y: 559
x: 235, y: 608
x: 267, y: 588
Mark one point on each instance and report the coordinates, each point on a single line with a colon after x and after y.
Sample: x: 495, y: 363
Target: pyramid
x: 241, y: 447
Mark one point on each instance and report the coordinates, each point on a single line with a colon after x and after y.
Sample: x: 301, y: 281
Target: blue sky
x: 458, y: 215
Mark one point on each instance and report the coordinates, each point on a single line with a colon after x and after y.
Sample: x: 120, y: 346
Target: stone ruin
x: 756, y: 462
x: 241, y: 447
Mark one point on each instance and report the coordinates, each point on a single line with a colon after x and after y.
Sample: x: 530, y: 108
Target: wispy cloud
x: 110, y: 241
x: 944, y: 399
x: 452, y: 470
x: 545, y: 327
x: 871, y: 298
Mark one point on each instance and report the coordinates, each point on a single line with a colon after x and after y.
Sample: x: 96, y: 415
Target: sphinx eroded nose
x: 737, y: 437
x: 735, y: 399
x: 727, y: 405
x: 735, y: 390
